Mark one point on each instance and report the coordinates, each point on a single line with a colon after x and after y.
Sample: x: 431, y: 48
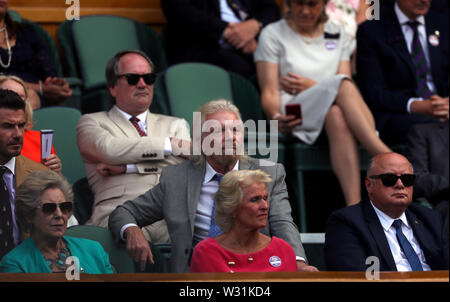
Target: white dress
x: 317, y: 59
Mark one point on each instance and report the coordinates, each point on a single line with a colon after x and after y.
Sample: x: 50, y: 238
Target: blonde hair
x: 28, y: 108
x: 231, y: 193
x: 28, y: 194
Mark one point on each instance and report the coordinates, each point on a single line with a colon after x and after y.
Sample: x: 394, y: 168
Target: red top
x: 32, y: 145
x: 209, y: 256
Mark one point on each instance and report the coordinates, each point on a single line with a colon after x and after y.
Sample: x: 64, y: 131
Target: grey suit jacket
x: 176, y: 197
x: 107, y: 137
x: 427, y: 150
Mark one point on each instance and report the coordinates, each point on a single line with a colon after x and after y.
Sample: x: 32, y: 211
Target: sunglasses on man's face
x: 390, y: 179
x: 133, y: 78
x: 50, y: 208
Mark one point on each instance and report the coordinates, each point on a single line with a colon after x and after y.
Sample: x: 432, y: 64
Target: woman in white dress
x: 305, y: 59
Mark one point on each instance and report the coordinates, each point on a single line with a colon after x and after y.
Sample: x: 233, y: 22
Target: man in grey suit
x: 427, y: 149
x: 125, y: 149
x: 185, y: 195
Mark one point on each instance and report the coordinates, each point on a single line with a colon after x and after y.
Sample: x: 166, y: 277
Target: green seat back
x: 87, y: 45
x: 118, y: 257
x: 63, y: 120
x: 190, y: 85
x: 96, y: 40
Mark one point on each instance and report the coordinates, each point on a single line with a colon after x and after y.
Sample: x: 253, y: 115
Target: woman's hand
x: 56, y: 90
x: 293, y: 83
x: 53, y: 163
x: 286, y: 123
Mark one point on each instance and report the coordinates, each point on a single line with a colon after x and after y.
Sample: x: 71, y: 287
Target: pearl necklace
x: 9, y: 49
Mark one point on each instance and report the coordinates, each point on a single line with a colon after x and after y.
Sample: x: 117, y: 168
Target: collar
x: 11, y: 165
x: 402, y: 18
x: 142, y: 117
x: 210, y: 172
x: 387, y: 221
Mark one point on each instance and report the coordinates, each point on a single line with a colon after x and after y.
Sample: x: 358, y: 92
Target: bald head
x: 392, y: 200
x: 379, y: 161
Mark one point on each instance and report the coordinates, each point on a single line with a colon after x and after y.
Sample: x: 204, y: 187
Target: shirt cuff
x: 298, y: 258
x: 131, y: 169
x: 122, y: 230
x: 408, y: 106
x: 167, y: 147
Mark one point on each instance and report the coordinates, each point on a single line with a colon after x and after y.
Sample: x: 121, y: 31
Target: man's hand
x: 181, y: 148
x: 110, y: 170
x: 303, y: 267
x: 250, y: 47
x: 138, y: 247
x: 239, y: 34
x: 53, y: 163
x: 435, y: 106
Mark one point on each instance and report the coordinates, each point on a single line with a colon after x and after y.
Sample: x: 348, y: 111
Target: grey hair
x: 231, y: 193
x: 211, y: 107
x: 28, y: 194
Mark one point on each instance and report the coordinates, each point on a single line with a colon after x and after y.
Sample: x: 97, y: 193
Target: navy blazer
x: 355, y: 233
x: 384, y: 66
x: 195, y: 26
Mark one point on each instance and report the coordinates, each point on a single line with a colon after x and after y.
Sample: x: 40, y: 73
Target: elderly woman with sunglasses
x: 43, y: 205
x: 303, y: 59
x: 242, y: 209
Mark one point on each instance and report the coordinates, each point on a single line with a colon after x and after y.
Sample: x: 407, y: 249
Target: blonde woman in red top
x: 31, y: 139
x: 242, y: 209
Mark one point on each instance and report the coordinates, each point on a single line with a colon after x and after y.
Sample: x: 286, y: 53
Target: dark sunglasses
x: 49, y: 207
x: 390, y: 179
x: 133, y: 78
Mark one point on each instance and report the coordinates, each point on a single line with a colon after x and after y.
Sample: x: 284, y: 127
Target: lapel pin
x: 437, y: 33
x: 434, y: 39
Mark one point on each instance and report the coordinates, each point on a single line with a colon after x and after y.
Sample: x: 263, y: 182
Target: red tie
x: 134, y: 120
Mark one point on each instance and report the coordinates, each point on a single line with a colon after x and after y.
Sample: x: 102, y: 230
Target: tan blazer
x: 24, y: 167
x: 108, y: 137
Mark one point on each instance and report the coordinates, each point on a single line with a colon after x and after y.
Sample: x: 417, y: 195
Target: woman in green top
x: 43, y: 205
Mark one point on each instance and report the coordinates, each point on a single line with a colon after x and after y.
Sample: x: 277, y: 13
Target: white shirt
x: 8, y: 177
x: 400, y: 260
x: 131, y: 168
x: 205, y: 204
x: 408, y: 34
x: 227, y: 14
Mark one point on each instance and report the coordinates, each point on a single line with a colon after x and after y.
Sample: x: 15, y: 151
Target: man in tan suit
x: 125, y: 149
x: 13, y: 167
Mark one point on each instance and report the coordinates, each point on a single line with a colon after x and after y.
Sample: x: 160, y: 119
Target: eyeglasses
x: 49, y: 207
x: 133, y: 78
x: 390, y: 179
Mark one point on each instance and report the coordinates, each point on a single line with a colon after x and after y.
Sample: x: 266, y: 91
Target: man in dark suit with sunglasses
x: 125, y: 149
x: 386, y: 232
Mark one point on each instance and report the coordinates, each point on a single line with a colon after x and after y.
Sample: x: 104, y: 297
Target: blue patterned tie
x: 420, y: 63
x: 214, y: 229
x: 410, y: 254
